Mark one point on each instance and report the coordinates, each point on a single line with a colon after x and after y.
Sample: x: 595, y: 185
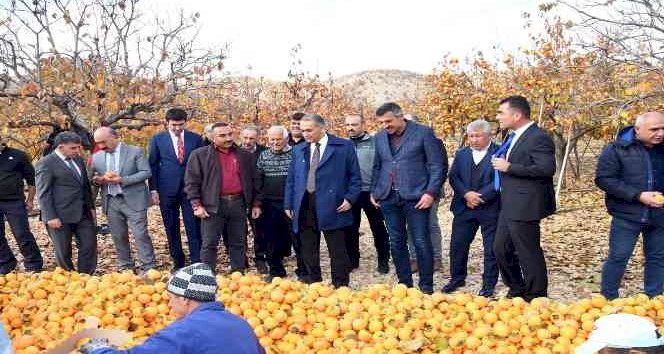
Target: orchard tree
x: 575, y: 93
x: 80, y: 64
x: 263, y: 102
x: 624, y: 31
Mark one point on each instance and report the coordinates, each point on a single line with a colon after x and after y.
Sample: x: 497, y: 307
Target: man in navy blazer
x: 475, y: 204
x: 322, y: 185
x: 169, y: 152
x: 409, y: 171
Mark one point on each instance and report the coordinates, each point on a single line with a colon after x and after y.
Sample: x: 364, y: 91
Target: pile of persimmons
x: 40, y: 310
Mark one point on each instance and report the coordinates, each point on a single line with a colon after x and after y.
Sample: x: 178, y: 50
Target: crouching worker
x: 203, y: 326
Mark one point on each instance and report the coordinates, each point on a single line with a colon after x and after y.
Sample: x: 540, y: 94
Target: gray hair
x: 642, y: 118
x: 278, y: 129
x: 66, y: 137
x: 320, y: 121
x: 479, y: 124
x: 251, y: 127
x: 208, y: 128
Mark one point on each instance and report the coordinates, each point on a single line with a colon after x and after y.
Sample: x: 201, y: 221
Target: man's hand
x: 344, y: 207
x: 255, y: 212
x: 473, y: 199
x: 289, y: 213
x: 114, y: 180
x: 54, y: 223
x: 94, y: 344
x: 374, y: 202
x: 652, y: 199
x: 425, y: 201
x: 500, y: 164
x: 154, y: 195
x: 200, y: 212
x: 29, y: 205
x: 99, y: 179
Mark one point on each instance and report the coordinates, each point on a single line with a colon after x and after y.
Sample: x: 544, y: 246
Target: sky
x: 345, y: 37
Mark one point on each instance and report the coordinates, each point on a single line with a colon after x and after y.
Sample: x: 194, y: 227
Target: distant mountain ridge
x: 377, y: 86
x: 371, y: 87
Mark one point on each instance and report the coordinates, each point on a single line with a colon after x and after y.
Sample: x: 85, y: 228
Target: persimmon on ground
x: 39, y: 310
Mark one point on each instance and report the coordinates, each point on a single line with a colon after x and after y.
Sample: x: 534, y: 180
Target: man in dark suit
x: 525, y: 166
x: 221, y: 183
x: 323, y: 183
x: 409, y: 171
x: 295, y: 138
x: 169, y: 152
x: 475, y: 204
x: 249, y: 137
x: 65, y: 201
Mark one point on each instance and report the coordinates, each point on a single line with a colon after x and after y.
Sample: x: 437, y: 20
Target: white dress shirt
x: 174, y: 139
x: 114, y: 189
x: 478, y: 155
x: 517, y: 134
x: 64, y: 159
x: 323, y: 145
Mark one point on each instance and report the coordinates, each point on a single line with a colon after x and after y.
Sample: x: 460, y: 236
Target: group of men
x: 308, y: 181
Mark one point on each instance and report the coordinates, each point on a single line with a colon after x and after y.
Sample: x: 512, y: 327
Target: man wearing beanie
x: 203, y: 326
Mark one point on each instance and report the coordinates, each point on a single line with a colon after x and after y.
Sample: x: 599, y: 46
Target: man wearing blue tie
x: 169, y: 152
x: 525, y: 166
x: 475, y: 204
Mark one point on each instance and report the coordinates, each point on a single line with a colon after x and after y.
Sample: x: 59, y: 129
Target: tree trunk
x: 561, y: 144
x: 560, y: 141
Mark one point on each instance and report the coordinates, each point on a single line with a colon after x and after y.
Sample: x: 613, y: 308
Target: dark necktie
x: 501, y: 152
x: 311, y: 177
x: 71, y: 166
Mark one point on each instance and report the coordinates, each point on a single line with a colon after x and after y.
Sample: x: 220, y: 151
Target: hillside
x: 378, y: 86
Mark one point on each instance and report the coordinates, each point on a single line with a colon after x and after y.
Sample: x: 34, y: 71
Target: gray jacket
x: 365, y: 147
x: 61, y: 195
x: 134, y: 170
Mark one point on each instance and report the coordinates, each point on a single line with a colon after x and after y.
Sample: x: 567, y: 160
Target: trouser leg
x: 340, y: 265
x: 17, y: 216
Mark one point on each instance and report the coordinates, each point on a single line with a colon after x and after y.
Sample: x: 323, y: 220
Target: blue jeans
x: 622, y: 238
x: 398, y: 213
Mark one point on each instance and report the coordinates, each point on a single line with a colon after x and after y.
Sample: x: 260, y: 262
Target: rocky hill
x: 370, y: 87
x: 377, y: 86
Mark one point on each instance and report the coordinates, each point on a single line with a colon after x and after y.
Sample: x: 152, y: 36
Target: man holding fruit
x: 121, y: 172
x: 631, y: 172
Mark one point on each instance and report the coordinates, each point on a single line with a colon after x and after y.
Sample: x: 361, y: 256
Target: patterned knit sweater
x: 273, y: 168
